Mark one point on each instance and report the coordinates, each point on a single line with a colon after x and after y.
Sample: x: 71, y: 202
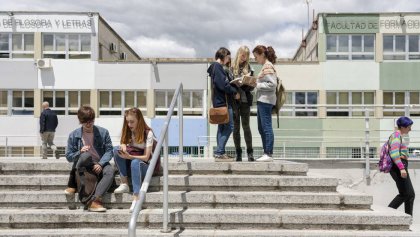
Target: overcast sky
x: 197, y: 28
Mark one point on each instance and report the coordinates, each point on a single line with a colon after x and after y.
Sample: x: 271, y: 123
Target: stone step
x: 38, y: 166
x: 195, y: 199
x: 191, y: 183
x: 122, y: 232
x: 380, y: 219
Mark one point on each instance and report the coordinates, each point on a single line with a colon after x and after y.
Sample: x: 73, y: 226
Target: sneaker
x: 96, y: 206
x: 57, y: 155
x: 265, y: 158
x: 123, y: 188
x: 223, y: 158
x: 70, y: 191
x: 133, y: 203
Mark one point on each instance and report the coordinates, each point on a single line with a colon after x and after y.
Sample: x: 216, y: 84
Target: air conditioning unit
x: 43, y: 63
x: 113, y: 47
x: 123, y: 56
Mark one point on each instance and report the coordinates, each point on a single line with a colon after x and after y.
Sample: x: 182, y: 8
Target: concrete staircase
x: 206, y: 199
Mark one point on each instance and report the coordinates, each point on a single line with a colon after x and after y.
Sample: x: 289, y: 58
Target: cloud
x: 198, y: 28
x: 160, y: 47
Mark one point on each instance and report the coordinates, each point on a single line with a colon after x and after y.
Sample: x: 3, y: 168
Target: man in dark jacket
x: 47, y: 124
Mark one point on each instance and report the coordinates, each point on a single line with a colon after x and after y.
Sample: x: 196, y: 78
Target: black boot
x: 250, y: 153
x: 238, y: 154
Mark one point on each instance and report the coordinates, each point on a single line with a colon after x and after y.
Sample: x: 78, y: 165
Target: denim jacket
x: 102, y: 143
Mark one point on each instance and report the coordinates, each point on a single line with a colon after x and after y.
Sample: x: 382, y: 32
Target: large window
x: 66, y: 102
x: 401, y: 47
x: 16, y: 45
x: 66, y: 46
x: 116, y: 102
x: 3, y: 102
x: 350, y: 103
x: 350, y: 47
x: 16, y: 102
x: 400, y: 103
x: 300, y: 103
x: 192, y: 102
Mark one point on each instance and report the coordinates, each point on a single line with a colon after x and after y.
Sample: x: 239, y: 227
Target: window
x: 192, y: 102
x: 299, y: 103
x: 116, y: 102
x: 350, y: 103
x: 350, y: 47
x: 3, y: 102
x: 401, y: 47
x: 16, y: 45
x: 22, y: 102
x: 66, y: 46
x: 66, y: 102
x: 400, y: 103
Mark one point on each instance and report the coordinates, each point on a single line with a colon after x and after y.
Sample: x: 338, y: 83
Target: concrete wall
x: 168, y: 75
x: 123, y: 76
x: 399, y: 75
x: 301, y: 77
x: 18, y: 74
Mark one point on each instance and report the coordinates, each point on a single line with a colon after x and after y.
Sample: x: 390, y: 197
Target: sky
x: 197, y: 28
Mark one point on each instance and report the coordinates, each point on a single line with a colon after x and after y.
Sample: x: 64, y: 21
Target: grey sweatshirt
x: 266, y: 89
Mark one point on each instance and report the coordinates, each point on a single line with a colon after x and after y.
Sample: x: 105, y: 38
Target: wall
x: 18, y: 74
x: 117, y: 76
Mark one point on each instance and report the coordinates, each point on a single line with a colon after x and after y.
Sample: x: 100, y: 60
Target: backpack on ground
x: 86, y: 180
x: 385, y: 160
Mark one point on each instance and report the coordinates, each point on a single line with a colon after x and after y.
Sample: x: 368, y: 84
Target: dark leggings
x: 405, y: 188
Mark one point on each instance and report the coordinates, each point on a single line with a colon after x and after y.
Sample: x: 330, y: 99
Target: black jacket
x: 220, y: 85
x: 48, y: 121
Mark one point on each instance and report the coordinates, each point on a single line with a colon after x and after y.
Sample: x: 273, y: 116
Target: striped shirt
x: 398, y: 149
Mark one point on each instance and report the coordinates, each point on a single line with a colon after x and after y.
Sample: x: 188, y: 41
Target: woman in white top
x: 135, y: 134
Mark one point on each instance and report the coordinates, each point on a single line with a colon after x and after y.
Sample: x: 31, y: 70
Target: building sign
x: 351, y: 24
x: 77, y: 23
x: 400, y: 24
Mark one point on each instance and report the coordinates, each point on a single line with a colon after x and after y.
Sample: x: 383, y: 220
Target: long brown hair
x: 268, y: 52
x: 140, y: 129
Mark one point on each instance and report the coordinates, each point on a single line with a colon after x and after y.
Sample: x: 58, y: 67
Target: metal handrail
x: 163, y: 139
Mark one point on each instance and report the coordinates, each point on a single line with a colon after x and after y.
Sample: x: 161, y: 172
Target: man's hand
x: 85, y: 149
x: 97, y: 168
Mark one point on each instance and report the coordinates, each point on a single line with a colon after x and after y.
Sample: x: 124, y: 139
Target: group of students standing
x: 238, y: 98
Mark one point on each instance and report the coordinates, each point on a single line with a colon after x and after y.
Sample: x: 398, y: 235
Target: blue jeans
x: 223, y: 133
x: 265, y: 126
x: 138, y: 170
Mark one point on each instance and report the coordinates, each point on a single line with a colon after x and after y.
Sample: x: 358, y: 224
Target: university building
x: 349, y: 67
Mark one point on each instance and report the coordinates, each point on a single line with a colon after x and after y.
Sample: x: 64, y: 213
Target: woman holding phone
x: 135, y: 134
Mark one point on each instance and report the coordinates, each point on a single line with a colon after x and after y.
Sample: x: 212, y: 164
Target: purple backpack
x: 385, y: 160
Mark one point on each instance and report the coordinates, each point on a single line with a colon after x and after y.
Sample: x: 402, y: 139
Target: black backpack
x: 86, y: 180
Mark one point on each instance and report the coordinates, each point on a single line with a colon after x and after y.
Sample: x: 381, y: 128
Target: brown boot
x: 96, y: 206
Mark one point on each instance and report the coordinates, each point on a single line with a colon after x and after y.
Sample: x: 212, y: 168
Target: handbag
x: 218, y: 115
x: 134, y: 151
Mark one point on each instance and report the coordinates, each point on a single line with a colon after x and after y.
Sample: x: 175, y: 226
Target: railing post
x: 284, y: 150
x: 367, y: 147
x: 6, y: 153
x: 165, y: 228
x: 181, y: 125
x: 198, y: 143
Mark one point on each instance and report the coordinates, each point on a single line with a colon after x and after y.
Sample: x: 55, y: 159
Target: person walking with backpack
x: 266, y: 98
x: 399, y: 171
x: 242, y: 106
x: 48, y: 122
x: 135, y: 134
x: 87, y: 144
x: 223, y: 94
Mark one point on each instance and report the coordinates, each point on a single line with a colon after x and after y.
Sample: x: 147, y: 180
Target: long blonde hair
x: 237, y: 63
x: 140, y: 129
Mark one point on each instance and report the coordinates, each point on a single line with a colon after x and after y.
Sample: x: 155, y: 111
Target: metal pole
x: 7, y: 148
x: 367, y: 147
x: 199, y: 152
x: 165, y: 228
x: 181, y: 125
x: 284, y: 150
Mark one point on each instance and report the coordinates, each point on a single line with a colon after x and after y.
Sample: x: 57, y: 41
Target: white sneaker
x: 265, y: 158
x: 133, y: 203
x: 123, y: 188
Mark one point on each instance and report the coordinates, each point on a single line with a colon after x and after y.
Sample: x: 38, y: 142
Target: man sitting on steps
x: 90, y: 141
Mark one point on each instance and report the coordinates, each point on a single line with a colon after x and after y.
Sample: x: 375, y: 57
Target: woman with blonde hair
x: 242, y: 106
x: 136, y: 134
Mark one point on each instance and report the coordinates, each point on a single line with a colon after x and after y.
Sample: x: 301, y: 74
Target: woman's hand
x: 125, y: 155
x: 123, y: 147
x: 403, y: 174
